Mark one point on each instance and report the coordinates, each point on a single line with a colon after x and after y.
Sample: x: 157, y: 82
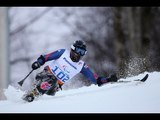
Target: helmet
x: 78, y: 50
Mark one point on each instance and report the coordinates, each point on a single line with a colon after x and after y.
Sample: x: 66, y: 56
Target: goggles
x: 78, y: 50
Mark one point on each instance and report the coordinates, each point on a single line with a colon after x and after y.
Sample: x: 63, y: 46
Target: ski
x: 138, y: 80
x: 142, y: 80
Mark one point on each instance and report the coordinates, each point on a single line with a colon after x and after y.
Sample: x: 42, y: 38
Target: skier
x: 65, y: 65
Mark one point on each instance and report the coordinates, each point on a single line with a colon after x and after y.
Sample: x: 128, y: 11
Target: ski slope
x: 111, y: 98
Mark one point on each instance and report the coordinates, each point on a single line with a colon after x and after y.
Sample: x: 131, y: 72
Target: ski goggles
x: 78, y: 50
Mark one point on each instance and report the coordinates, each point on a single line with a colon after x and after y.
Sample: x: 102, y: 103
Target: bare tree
x: 132, y: 27
x: 19, y: 37
x: 154, y: 28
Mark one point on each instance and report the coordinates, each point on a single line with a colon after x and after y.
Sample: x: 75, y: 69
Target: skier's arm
x: 89, y: 74
x: 44, y: 58
x: 94, y: 78
x: 51, y: 56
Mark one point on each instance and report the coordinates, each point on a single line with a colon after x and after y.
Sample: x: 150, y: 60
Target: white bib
x: 64, y: 68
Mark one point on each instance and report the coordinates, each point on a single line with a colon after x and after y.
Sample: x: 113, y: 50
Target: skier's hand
x: 35, y: 65
x: 41, y: 60
x: 101, y: 81
x: 113, y: 78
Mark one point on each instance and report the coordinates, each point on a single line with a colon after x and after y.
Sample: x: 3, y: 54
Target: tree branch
x: 22, y: 27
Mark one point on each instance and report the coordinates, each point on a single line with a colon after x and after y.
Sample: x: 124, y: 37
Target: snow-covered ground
x: 111, y: 98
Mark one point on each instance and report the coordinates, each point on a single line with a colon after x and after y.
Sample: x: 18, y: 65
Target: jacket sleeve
x: 51, y: 56
x: 89, y: 74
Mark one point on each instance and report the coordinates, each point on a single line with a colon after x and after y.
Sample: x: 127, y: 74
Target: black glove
x: 35, y: 65
x: 113, y: 78
x: 101, y: 81
x: 41, y: 60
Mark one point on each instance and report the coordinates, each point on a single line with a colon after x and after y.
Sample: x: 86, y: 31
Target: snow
x: 132, y: 97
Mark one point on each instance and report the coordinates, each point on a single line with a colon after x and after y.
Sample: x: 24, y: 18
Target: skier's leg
x: 52, y: 91
x: 45, y: 83
x: 49, y: 84
x: 44, y: 78
x: 35, y: 91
